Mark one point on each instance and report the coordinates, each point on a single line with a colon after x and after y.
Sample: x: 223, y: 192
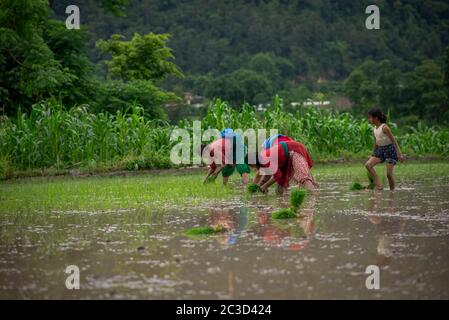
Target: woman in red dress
x: 293, y: 162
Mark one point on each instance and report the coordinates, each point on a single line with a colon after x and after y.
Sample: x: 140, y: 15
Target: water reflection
x: 235, y: 221
x: 291, y: 235
x: 321, y: 254
x: 387, y: 228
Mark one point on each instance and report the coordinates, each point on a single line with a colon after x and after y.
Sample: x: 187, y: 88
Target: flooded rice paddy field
x: 132, y: 245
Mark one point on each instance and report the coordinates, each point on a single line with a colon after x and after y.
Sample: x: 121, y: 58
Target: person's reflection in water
x: 294, y: 237
x: 231, y: 285
x: 234, y: 221
x: 385, y: 227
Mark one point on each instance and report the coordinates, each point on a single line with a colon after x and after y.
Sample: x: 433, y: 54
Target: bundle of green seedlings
x: 253, y: 188
x: 358, y: 186
x: 284, y: 213
x: 204, y: 231
x: 297, y: 198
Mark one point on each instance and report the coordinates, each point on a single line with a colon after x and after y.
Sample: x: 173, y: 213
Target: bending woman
x: 259, y: 178
x: 294, y: 162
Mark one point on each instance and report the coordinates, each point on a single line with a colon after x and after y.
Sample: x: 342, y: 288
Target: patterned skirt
x: 301, y: 170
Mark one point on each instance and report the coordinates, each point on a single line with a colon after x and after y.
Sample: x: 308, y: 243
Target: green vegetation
x: 297, y: 197
x: 254, y: 51
x: 284, y: 213
x: 96, y: 98
x: 211, y: 179
x: 41, y: 59
x: 253, y: 188
x: 162, y: 191
x: 204, y: 231
x: 166, y: 191
x: 51, y: 137
x: 357, y: 186
x: 403, y: 93
x: 251, y: 50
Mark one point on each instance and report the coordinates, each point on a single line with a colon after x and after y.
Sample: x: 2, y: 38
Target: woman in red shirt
x: 293, y: 162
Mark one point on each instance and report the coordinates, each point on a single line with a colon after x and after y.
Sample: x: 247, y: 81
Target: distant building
x: 195, y: 101
x: 334, y: 103
x: 189, y: 99
x: 310, y: 102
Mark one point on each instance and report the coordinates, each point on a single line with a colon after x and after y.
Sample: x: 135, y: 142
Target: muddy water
x: 322, y: 254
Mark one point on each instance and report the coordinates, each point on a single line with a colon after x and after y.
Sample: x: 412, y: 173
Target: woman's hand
x: 280, y: 190
x: 401, y: 157
x: 264, y: 188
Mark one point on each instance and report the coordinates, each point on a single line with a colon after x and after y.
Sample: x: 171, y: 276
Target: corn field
x: 325, y: 133
x: 51, y: 137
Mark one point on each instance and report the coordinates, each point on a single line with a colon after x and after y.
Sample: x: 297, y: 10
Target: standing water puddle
x: 322, y: 254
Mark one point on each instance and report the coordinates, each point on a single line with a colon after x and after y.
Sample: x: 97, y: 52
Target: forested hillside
x: 250, y: 50
x: 243, y: 51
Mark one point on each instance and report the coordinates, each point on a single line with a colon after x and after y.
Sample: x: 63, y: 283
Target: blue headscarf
x: 227, y: 133
x: 269, y: 142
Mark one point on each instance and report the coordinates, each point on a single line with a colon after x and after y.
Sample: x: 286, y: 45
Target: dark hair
x: 377, y: 113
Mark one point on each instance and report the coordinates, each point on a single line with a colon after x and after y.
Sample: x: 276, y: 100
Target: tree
x: 137, y: 64
x: 117, y: 7
x: 389, y: 84
x: 120, y: 95
x: 279, y: 70
x: 29, y: 70
x: 424, y: 92
x: 240, y: 86
x: 446, y: 74
x: 142, y: 58
x: 69, y: 48
x: 362, y: 90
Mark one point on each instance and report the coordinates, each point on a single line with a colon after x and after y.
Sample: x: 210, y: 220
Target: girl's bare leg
x: 225, y: 180
x: 390, y: 176
x: 245, y: 178
x: 369, y: 165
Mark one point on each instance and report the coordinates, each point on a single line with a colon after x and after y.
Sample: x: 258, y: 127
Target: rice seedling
x: 159, y: 192
x: 253, y: 188
x: 356, y: 186
x: 297, y: 197
x: 284, y: 213
x: 204, y: 231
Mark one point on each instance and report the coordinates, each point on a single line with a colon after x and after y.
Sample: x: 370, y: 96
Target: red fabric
x: 225, y: 145
x: 301, y: 170
x: 283, y: 139
x: 285, y: 166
